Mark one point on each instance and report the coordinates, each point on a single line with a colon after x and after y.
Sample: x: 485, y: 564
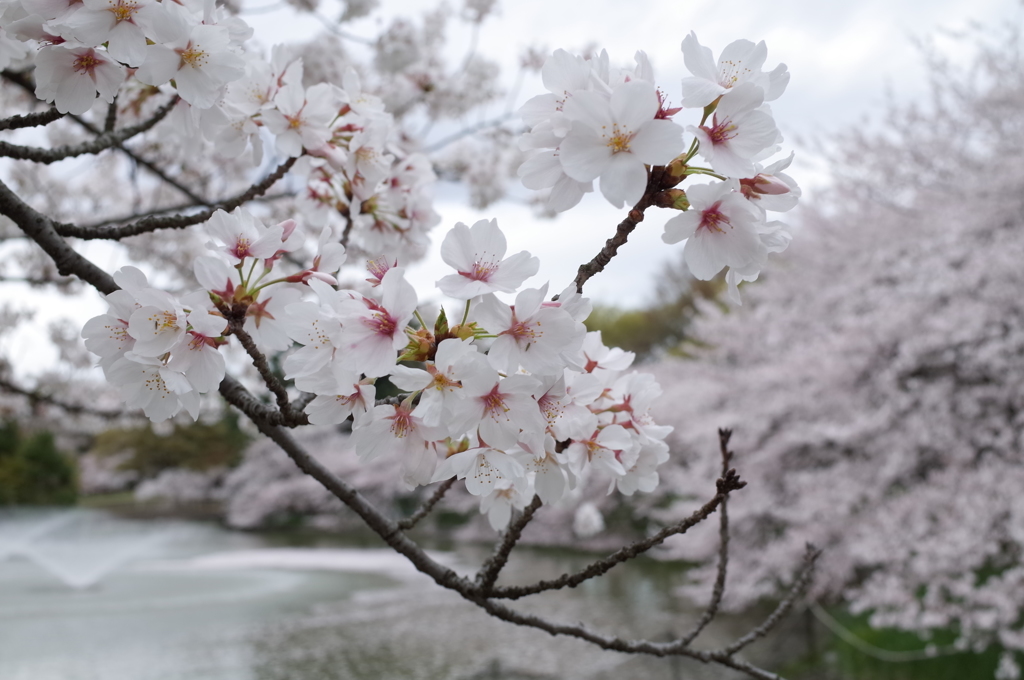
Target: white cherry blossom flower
x: 340, y: 393
x: 145, y: 383
x: 158, y: 324
x: 614, y: 138
x: 477, y: 253
x: 200, y: 59
x: 72, y: 77
x: 740, y: 62
x: 122, y: 24
x: 441, y: 381
x: 373, y: 332
x: 720, y: 228
x: 302, y: 117
x: 530, y: 334
x: 737, y: 132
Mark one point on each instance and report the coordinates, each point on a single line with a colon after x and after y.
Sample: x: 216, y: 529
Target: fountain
x: 79, y: 547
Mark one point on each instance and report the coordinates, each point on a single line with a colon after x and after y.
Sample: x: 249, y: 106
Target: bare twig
x: 35, y: 396
x: 236, y: 323
x: 469, y: 131
x: 111, y: 119
x: 726, y: 485
x: 655, y: 183
x: 22, y: 80
x: 35, y: 119
x: 811, y: 556
x: 41, y: 229
x: 102, y: 141
x: 723, y: 548
x: 180, y: 221
x: 428, y: 505
x: 173, y: 208
x: 490, y: 569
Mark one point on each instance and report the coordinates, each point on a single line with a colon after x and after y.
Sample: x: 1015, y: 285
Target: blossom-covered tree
x: 511, y: 397
x: 876, y: 376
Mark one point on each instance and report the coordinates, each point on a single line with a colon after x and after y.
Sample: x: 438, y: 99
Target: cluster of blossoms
x: 233, y: 100
x: 516, y: 399
x: 614, y: 125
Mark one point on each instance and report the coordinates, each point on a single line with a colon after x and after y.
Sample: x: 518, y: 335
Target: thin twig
x: 490, y: 569
x: 173, y: 208
x: 236, y: 323
x: 102, y: 141
x: 41, y: 229
x: 723, y: 549
x: 617, y: 644
x: 111, y: 120
x: 24, y: 82
x: 428, y: 505
x: 35, y: 396
x: 180, y: 221
x: 622, y: 231
x: 725, y: 486
x: 468, y: 131
x: 35, y: 119
x: 811, y: 556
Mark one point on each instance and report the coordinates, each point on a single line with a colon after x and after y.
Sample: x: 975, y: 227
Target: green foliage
x: 33, y: 471
x: 663, y: 325
x: 846, y: 662
x: 195, y: 446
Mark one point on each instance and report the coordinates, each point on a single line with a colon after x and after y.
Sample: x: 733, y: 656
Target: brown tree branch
x: 22, y: 80
x: 658, y: 179
x: 180, y: 221
x: 102, y: 141
x: 811, y: 555
x: 490, y: 569
x: 35, y: 396
x: 171, y: 209
x: 718, y: 589
x: 236, y: 322
x: 428, y: 505
x: 35, y: 119
x: 726, y: 485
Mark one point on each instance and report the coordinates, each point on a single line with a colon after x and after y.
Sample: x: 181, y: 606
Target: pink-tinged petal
x: 739, y: 59
x: 657, y: 142
x: 566, y: 193
x: 160, y: 66
x: 633, y: 104
x: 109, y: 77
x: 624, y: 180
x: 514, y: 270
x: 709, y: 251
x: 698, y: 59
x: 698, y: 92
x: 584, y: 154
x: 681, y: 227
x: 457, y: 249
x: 75, y: 95
x: 541, y: 171
x: 589, y: 109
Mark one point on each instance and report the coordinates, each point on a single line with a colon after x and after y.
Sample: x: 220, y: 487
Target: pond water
x: 86, y: 595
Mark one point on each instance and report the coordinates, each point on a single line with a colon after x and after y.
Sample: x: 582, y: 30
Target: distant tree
x: 32, y: 470
x: 876, y: 380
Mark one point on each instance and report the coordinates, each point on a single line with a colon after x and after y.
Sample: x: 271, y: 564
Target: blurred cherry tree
x: 875, y: 377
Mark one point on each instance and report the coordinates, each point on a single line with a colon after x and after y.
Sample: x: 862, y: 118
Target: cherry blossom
x: 72, y: 77
x: 477, y: 253
x: 720, y: 230
x: 614, y: 138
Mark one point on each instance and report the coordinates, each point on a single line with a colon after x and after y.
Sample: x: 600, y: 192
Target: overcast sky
x: 842, y: 56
